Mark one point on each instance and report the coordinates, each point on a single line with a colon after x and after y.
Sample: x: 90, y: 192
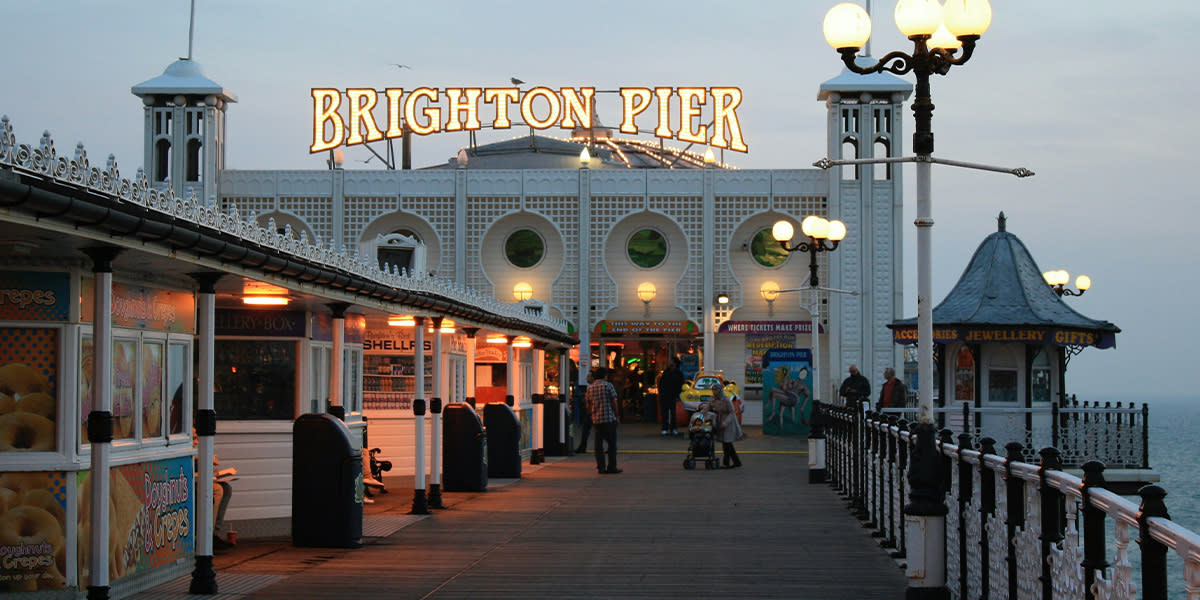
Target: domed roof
x: 184, y: 76
x: 1002, y: 286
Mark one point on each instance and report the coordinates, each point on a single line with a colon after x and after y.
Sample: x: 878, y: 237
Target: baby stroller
x: 702, y: 439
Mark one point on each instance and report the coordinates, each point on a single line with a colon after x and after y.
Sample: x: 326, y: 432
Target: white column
x: 510, y: 380
x: 924, y: 224
x: 539, y: 409
x: 420, y: 505
x: 337, y: 361
x: 435, y: 406
x: 471, y: 341
x: 100, y: 425
x: 709, y: 210
x: 585, y: 275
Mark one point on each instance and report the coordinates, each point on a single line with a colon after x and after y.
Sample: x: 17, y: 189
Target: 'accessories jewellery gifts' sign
x: 424, y: 111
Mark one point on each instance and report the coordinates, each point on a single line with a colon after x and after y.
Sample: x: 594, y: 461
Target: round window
x: 524, y: 248
x: 647, y: 248
x: 766, y: 251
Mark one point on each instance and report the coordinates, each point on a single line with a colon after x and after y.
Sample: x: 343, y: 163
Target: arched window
x: 193, y: 160
x: 162, y: 160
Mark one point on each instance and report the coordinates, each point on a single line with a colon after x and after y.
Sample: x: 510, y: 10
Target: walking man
x: 602, y: 404
x: 670, y: 383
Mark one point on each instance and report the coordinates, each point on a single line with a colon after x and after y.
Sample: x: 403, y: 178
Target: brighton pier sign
x: 422, y: 111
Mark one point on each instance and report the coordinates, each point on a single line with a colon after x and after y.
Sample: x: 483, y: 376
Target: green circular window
x: 766, y: 251
x: 647, y: 248
x: 524, y: 248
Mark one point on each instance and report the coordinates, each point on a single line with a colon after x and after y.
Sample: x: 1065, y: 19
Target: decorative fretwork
x: 1065, y: 569
x: 953, y: 541
x: 1121, y: 585
x: 997, y: 537
x: 42, y: 160
x: 1027, y: 546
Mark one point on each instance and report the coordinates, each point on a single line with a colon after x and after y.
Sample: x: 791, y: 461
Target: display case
x: 389, y: 380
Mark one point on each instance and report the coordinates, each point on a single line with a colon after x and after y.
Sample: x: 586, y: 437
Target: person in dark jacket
x: 670, y: 384
x: 893, y: 394
x: 855, y: 388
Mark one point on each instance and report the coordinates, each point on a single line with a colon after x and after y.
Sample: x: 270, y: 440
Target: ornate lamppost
x: 818, y: 230
x: 1058, y: 280
x: 938, y: 34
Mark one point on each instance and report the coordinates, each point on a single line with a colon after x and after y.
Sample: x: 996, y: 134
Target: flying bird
x: 515, y: 81
x: 400, y: 66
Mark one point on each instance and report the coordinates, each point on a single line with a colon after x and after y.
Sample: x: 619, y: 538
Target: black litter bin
x: 327, y: 484
x: 504, y: 440
x: 552, y: 418
x: 464, y: 450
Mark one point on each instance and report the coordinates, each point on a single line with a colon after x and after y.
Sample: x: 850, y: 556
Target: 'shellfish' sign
x: 425, y: 111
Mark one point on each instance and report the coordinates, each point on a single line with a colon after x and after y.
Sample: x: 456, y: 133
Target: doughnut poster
x: 32, y: 531
x: 28, y: 405
x: 150, y: 516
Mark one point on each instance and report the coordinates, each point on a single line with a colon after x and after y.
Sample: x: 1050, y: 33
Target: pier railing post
x: 987, y: 507
x: 1053, y: 519
x: 1014, y: 489
x: 1154, y: 553
x: 925, y: 520
x: 1094, y: 561
x: 858, y: 469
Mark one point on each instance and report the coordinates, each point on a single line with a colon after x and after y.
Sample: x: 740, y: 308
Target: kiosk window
x: 255, y: 379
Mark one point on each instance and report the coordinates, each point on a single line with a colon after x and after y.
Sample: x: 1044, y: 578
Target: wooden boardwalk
x: 564, y: 531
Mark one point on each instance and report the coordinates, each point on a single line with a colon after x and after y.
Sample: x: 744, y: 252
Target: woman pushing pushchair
x: 729, y: 430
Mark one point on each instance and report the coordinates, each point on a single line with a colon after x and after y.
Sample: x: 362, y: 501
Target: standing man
x: 602, y: 404
x: 670, y: 383
x: 855, y: 388
x: 894, y: 393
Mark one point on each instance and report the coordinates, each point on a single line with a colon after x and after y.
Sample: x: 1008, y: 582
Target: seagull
x: 515, y: 81
x: 400, y: 66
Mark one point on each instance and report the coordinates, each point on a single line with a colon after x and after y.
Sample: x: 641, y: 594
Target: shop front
x: 47, y: 385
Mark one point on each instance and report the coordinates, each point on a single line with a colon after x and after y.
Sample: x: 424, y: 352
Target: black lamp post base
x: 204, y: 578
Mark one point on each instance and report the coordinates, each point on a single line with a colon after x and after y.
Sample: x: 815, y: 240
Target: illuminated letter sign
x: 422, y: 111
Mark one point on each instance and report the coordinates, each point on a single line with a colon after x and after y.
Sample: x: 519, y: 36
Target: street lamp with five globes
x: 818, y: 230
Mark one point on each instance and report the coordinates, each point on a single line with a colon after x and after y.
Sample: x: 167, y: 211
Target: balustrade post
x: 857, y: 488
x: 1054, y: 424
x: 925, y: 520
x: 816, y: 446
x: 966, y: 490
x: 1154, y: 552
x: 1014, y: 489
x: 1051, y: 510
x: 1094, y: 561
x: 1145, y: 435
x: 987, y: 507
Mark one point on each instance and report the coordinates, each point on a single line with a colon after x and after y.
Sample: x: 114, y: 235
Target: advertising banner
x: 30, y: 296
x: 756, y: 346
x: 28, y: 389
x: 787, y: 395
x: 138, y: 307
x: 150, y: 516
x: 33, y: 531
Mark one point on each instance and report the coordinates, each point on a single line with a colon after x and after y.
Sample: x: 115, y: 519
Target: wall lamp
x: 1058, y: 282
x: 585, y: 159
x: 522, y: 342
x: 818, y: 230
x: 646, y: 292
x: 522, y: 291
x: 769, y: 291
x: 402, y: 321
x: 722, y: 299
x: 497, y: 338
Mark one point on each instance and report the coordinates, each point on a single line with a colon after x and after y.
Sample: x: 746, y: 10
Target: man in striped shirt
x: 602, y: 404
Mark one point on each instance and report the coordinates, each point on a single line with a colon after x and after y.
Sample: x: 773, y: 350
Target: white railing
x: 1015, y: 529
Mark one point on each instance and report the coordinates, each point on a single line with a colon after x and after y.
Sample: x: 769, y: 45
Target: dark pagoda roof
x: 1002, y: 292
